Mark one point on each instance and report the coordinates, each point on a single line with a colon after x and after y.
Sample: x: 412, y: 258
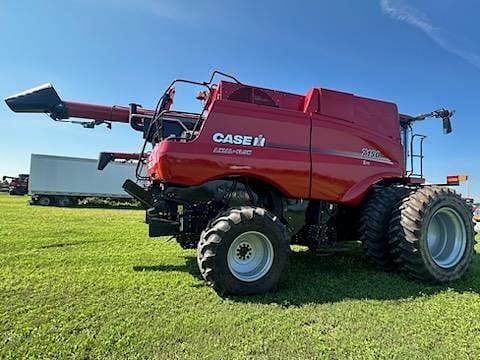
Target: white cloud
x: 402, y: 11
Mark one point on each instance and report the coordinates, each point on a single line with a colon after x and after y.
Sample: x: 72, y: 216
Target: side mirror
x: 447, y: 125
x: 445, y: 115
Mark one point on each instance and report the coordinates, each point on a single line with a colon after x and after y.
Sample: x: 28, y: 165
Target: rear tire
x: 44, y: 201
x: 374, y: 224
x: 65, y: 201
x: 431, y: 234
x: 244, y: 251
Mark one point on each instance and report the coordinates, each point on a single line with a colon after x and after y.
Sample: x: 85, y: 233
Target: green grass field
x: 89, y: 283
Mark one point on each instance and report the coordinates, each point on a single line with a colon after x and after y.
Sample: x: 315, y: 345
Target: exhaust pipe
x: 41, y: 99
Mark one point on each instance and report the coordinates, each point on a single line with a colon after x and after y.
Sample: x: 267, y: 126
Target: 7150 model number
x: 371, y: 153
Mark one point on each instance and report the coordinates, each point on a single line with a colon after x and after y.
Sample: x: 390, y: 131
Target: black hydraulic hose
x: 142, y: 153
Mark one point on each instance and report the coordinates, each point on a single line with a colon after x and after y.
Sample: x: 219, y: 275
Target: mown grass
x: 89, y: 283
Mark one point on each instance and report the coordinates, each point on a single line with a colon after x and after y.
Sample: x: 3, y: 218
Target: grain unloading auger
x: 44, y: 99
x: 256, y: 170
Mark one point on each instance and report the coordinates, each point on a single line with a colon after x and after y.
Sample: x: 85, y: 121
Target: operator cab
x: 174, y: 125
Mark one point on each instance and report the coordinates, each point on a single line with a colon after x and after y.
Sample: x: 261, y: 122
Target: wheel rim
x: 446, y: 237
x: 250, y: 256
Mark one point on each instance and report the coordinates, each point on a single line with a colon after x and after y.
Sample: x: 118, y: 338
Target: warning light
x: 453, y: 180
x: 456, y: 179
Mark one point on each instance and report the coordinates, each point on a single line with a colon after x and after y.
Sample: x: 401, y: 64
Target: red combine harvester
x: 18, y: 185
x: 256, y: 170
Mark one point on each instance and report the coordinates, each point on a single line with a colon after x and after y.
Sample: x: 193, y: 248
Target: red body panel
x: 123, y: 156
x: 326, y: 145
x: 345, y: 130
x: 195, y: 162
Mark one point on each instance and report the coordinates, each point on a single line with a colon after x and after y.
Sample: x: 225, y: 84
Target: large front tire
x: 244, y: 251
x: 431, y: 235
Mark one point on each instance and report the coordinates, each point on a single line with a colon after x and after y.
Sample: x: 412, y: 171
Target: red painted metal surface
x: 101, y: 112
x: 122, y: 155
x: 355, y: 143
x: 326, y: 145
x: 284, y: 161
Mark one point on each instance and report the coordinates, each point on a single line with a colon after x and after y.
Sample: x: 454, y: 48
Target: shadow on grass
x: 95, y: 206
x: 107, y: 206
x: 313, y: 279
x: 190, y: 267
x: 57, y: 245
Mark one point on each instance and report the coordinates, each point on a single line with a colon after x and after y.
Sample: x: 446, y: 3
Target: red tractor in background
x: 17, y: 185
x: 256, y: 170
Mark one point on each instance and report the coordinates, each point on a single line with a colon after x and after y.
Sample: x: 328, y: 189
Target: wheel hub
x: 446, y: 237
x: 250, y: 256
x: 244, y: 251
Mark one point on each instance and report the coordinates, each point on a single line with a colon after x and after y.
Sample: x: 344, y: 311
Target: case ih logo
x: 239, y: 139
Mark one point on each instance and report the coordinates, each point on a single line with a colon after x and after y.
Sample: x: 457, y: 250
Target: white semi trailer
x: 63, y: 181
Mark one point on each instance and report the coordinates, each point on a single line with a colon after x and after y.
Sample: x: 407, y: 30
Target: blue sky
x: 419, y: 54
